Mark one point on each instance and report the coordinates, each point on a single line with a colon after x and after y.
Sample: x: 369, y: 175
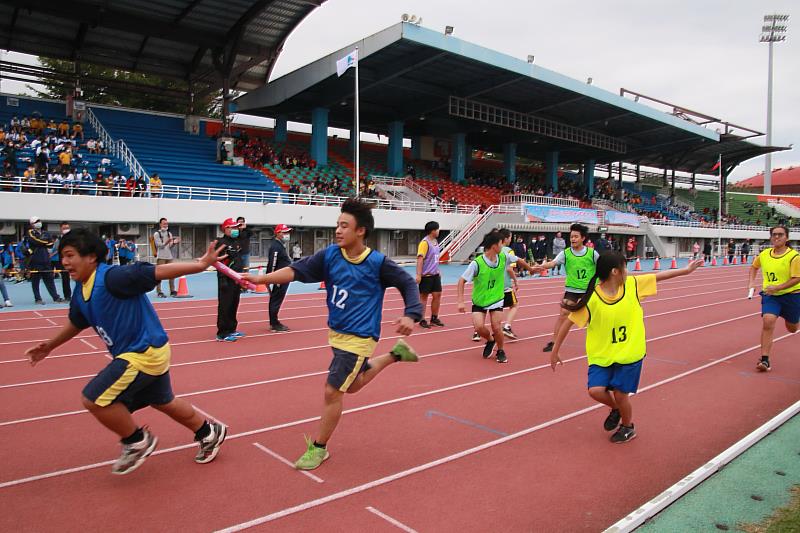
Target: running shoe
x: 173, y: 294
x: 227, y: 338
x: 763, y: 366
x: 313, y: 457
x: 476, y: 337
x: 161, y: 295
x: 59, y: 300
x: 278, y: 328
x: 549, y: 347
x: 623, y: 434
x: 238, y: 334
x: 424, y: 324
x: 9, y: 304
x: 487, y: 350
x: 436, y: 322
x: 39, y: 302
x: 133, y: 455
x: 501, y: 357
x: 508, y: 333
x: 209, y: 446
x: 403, y: 352
x: 612, y: 420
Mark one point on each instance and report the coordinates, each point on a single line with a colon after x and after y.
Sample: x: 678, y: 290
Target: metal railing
x: 538, y: 200
x: 117, y: 148
x: 180, y: 192
x: 704, y: 225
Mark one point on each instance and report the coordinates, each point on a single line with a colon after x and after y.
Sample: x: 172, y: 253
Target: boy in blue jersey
x: 113, y: 301
x: 355, y: 280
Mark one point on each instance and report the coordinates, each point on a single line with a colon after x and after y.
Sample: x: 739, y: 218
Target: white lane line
x: 89, y: 344
x: 316, y: 418
x: 679, y: 489
x: 471, y: 451
x: 208, y: 416
x: 287, y: 462
x: 37, y: 313
x: 391, y: 520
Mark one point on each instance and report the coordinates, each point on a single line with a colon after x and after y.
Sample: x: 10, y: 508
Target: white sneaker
x: 133, y: 455
x: 9, y: 304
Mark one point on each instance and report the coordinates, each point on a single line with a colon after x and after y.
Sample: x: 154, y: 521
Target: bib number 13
x: 619, y: 334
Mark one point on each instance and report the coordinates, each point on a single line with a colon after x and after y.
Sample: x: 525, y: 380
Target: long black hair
x: 607, y: 262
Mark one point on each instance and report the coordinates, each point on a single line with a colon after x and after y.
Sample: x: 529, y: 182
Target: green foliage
x: 102, y: 85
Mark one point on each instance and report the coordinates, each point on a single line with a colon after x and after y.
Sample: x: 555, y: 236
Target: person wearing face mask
x: 245, y: 234
x: 277, y: 258
x: 56, y: 263
x: 38, y: 244
x: 228, y: 291
x: 164, y: 243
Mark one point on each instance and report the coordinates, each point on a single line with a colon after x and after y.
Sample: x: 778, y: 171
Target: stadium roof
x: 780, y: 177
x: 422, y: 77
x: 193, y: 40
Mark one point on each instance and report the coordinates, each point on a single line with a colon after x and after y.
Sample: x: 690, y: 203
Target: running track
x: 454, y: 442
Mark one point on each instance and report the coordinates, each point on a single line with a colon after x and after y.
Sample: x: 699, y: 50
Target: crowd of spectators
x: 257, y: 152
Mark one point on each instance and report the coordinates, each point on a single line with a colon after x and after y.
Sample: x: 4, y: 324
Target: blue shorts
x: 624, y: 378
x: 345, y: 368
x: 785, y: 305
x: 121, y: 382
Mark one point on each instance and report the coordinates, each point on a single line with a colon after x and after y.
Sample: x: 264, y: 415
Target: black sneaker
x: 39, y: 302
x: 548, y: 347
x: 424, y: 324
x: 623, y: 434
x: 278, y: 328
x: 501, y: 357
x: 161, y: 295
x: 436, y: 322
x: 508, y: 333
x: 612, y: 420
x: 59, y: 300
x: 476, y: 337
x: 133, y: 455
x: 487, y: 350
x: 173, y: 294
x: 763, y: 366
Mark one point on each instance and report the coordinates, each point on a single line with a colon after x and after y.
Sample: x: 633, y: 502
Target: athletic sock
x: 318, y: 445
x: 434, y: 317
x: 765, y: 358
x: 133, y: 438
x: 203, y: 432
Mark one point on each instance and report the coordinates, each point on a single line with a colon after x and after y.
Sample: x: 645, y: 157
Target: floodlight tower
x: 773, y: 31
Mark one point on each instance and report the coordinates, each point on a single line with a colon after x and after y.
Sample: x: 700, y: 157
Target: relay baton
x: 751, y: 293
x: 226, y: 270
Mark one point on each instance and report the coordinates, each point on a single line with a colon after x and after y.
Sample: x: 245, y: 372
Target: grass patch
x: 783, y: 520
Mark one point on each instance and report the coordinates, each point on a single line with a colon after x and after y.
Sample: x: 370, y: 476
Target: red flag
x: 715, y: 167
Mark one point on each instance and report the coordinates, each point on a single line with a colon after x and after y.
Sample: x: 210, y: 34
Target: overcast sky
x: 701, y: 54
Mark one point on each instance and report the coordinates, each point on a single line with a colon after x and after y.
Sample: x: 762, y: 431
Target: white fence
x: 538, y: 200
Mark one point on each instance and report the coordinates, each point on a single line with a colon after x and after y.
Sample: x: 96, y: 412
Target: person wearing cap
x: 38, y: 245
x: 228, y: 291
x: 245, y: 234
x: 277, y: 258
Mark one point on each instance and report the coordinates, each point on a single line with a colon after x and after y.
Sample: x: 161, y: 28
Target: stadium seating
x: 162, y: 146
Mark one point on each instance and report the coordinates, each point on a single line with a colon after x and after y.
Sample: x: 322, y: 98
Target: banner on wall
x: 622, y: 219
x: 548, y: 213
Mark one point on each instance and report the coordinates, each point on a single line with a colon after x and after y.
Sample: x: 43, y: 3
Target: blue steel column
x: 280, y: 129
x: 551, y: 170
x: 319, y: 136
x: 351, y: 144
x: 394, y: 156
x: 588, y: 176
x: 458, y: 160
x: 510, y: 161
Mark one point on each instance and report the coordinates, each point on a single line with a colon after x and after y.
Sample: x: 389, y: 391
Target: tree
x: 102, y: 85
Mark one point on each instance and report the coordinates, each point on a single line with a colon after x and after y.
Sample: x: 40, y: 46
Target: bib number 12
x: 338, y: 297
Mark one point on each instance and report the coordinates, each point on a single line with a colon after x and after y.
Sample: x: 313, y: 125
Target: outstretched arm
x: 43, y: 349
x: 669, y: 274
x: 176, y: 270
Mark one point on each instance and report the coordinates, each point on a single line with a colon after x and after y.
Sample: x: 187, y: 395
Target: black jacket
x: 233, y: 250
x: 277, y: 258
x: 39, y: 244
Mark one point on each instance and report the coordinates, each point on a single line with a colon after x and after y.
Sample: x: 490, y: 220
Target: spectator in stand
x: 155, y: 186
x: 164, y: 243
x: 731, y: 251
x: 695, y: 250
x: 245, y: 234
x: 141, y: 186
x: 63, y: 128
x: 707, y: 250
x: 130, y: 186
x: 37, y: 246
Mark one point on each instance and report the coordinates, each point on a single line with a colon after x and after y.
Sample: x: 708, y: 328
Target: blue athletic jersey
x: 118, y: 309
x: 355, y: 293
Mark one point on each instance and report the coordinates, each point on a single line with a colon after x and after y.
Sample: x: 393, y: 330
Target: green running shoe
x: 313, y: 457
x: 403, y: 352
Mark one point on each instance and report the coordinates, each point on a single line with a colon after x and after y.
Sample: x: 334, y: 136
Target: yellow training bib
x: 615, y: 333
x: 778, y: 269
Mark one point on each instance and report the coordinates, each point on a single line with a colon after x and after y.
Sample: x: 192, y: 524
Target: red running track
x: 453, y: 442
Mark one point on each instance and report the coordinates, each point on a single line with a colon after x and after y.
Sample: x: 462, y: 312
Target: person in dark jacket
x: 277, y: 258
x: 38, y: 244
x: 228, y: 291
x: 245, y: 234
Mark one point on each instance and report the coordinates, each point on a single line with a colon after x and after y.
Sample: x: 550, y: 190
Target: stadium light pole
x: 773, y: 31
